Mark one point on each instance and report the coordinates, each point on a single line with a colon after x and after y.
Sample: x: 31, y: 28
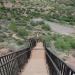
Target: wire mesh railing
x: 11, y: 64
x: 56, y: 65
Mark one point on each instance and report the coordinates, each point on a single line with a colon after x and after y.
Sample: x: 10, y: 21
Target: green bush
x: 71, y: 40
x: 62, y: 44
x: 55, y: 36
x: 0, y: 27
x: 45, y: 27
x: 1, y: 39
x: 20, y: 42
x: 73, y: 44
x: 13, y: 26
x: 65, y: 42
x: 22, y: 32
x: 34, y: 14
x: 47, y: 39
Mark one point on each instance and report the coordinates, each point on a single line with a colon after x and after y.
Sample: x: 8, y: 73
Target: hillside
x: 16, y: 19
x: 54, y: 10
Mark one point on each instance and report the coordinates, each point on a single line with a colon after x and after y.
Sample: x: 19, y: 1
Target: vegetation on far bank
x: 53, y: 10
x: 17, y: 20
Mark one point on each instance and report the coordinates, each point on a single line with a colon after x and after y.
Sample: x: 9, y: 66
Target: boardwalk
x: 37, y: 63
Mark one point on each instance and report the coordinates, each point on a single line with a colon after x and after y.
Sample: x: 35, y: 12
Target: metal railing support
x: 12, y: 64
x: 56, y: 65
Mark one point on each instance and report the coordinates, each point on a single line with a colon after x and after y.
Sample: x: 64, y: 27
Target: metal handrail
x: 14, y: 58
x: 58, y: 72
x: 12, y: 64
x: 56, y: 65
x: 73, y: 69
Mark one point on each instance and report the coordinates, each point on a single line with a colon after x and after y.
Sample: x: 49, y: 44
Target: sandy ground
x: 37, y: 63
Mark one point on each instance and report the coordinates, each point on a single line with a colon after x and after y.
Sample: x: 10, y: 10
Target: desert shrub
x: 71, y: 41
x: 55, y: 36
x: 13, y: 26
x: 65, y: 42
x: 61, y: 44
x: 46, y: 39
x: 34, y: 14
x: 0, y: 27
x: 45, y: 27
x: 19, y: 42
x: 22, y: 32
x: 1, y: 39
